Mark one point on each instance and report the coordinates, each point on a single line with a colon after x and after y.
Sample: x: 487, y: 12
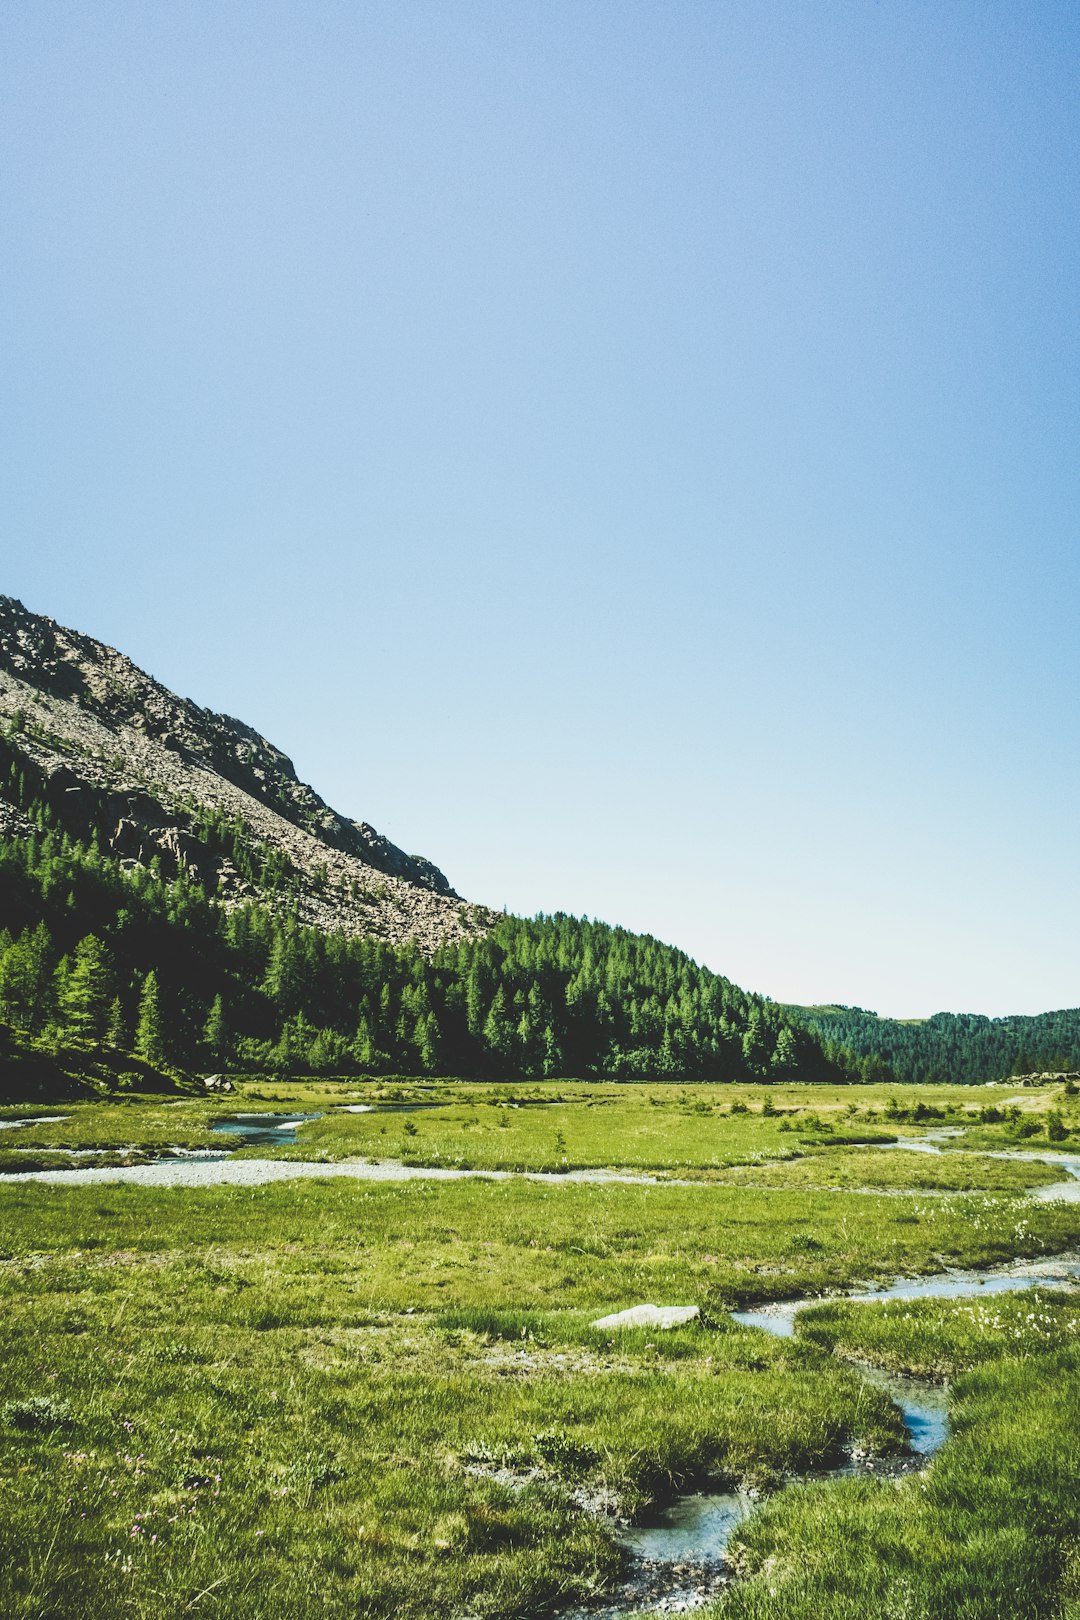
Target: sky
x: 626, y: 452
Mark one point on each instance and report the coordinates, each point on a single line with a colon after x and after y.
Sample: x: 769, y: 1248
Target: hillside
x: 964, y: 1048
x: 160, y: 781
x: 168, y: 887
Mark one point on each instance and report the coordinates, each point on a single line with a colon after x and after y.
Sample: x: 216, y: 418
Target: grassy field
x: 352, y: 1398
x: 992, y: 1527
x: 672, y: 1131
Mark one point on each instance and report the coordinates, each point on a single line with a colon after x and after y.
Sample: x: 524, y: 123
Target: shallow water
x: 261, y: 1130
x: 40, y: 1119
x: 385, y: 1107
x: 923, y: 1406
x: 778, y: 1318
x: 926, y: 1143
x: 1066, y: 1191
x: 694, y: 1529
x: 205, y: 1168
x: 1058, y: 1191
x: 697, y: 1528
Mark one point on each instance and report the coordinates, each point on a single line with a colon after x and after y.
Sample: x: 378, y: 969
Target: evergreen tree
x: 84, y: 997
x: 25, y: 979
x: 426, y: 1040
x: 216, y: 1033
x: 116, y: 1033
x: 785, y: 1056
x: 498, y: 1030
x: 149, y: 1040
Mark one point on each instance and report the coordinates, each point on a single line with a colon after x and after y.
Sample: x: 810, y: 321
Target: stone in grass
x: 650, y: 1316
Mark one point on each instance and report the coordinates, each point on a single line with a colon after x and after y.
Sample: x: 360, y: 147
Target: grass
x: 358, y: 1398
x: 260, y: 1384
x: 991, y: 1530
x: 666, y: 1130
x: 899, y: 1171
x: 942, y: 1338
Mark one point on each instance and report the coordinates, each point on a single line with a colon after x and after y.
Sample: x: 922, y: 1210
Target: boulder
x: 650, y: 1316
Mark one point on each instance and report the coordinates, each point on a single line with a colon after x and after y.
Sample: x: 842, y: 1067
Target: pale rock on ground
x: 650, y: 1316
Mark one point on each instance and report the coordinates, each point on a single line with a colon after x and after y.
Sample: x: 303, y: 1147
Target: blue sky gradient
x: 626, y: 452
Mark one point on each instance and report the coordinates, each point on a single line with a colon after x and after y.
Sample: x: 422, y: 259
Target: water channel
x: 689, y: 1537
x: 679, y: 1558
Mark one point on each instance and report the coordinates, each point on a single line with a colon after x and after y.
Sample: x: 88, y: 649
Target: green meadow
x: 353, y: 1397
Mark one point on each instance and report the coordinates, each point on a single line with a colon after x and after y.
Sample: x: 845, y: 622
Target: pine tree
x: 25, y: 979
x: 149, y: 1039
x: 363, y: 1047
x: 216, y: 1032
x: 84, y: 999
x: 426, y: 1040
x: 553, y: 1058
x: 116, y: 1034
x: 785, y: 1057
x: 498, y: 1030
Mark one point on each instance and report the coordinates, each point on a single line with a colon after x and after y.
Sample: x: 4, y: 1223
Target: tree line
x: 124, y: 958
x: 960, y: 1048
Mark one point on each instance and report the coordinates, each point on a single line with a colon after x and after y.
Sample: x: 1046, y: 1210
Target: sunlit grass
x: 388, y: 1399
x: 989, y: 1531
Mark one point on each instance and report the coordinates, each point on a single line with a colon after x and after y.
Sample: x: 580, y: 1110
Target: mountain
x: 160, y: 780
x: 964, y: 1048
x: 172, y: 899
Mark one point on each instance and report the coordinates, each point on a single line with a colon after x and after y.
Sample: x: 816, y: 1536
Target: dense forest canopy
x: 99, y: 951
x: 964, y: 1048
x: 129, y: 957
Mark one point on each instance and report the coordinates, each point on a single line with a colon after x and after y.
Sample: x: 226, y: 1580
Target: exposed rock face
x: 118, y: 754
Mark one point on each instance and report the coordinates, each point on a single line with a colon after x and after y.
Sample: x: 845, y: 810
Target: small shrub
x: 562, y: 1451
x: 39, y: 1412
x: 175, y: 1354
x: 1056, y: 1128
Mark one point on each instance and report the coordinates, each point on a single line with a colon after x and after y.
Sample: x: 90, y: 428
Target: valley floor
x: 346, y: 1397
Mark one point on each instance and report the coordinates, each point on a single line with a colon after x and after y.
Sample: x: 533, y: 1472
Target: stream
x: 679, y: 1557
x: 207, y: 1167
x: 1068, y: 1191
x: 216, y: 1167
x: 37, y: 1119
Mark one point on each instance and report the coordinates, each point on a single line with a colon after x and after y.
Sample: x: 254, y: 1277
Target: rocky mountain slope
x: 158, y: 779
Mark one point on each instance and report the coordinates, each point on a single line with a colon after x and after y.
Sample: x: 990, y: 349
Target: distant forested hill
x: 961, y: 1047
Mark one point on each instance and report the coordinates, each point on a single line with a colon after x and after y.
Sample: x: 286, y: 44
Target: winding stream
x: 679, y: 1559
x: 215, y: 1167
x: 1067, y: 1191
x: 680, y: 1556
x: 37, y: 1119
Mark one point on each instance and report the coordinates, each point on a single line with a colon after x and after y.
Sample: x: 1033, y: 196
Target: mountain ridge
x: 162, y: 779
x: 170, y: 890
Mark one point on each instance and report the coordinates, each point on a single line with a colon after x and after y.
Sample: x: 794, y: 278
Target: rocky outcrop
x: 158, y: 779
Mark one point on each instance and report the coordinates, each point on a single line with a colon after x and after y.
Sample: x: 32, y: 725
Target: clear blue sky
x: 627, y: 452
